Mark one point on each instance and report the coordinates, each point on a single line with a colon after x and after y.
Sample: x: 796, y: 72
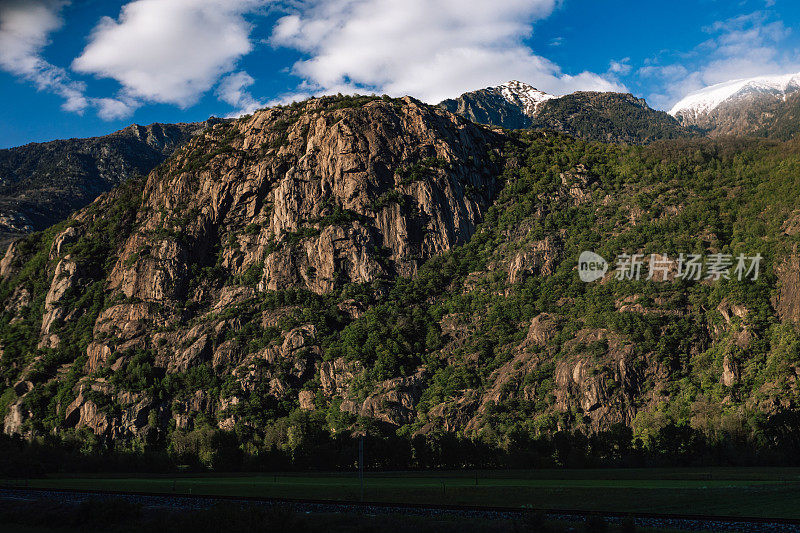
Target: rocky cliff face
x: 311, y: 197
x: 41, y: 184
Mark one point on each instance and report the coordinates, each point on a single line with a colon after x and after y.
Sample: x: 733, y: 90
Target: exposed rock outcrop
x: 730, y: 372
x: 599, y: 378
x: 8, y: 260
x: 788, y: 298
x: 64, y: 279
x: 314, y: 199
x: 393, y: 402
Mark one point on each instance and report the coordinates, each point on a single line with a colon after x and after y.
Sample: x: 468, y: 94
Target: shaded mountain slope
x: 592, y: 116
x: 607, y: 117
x: 42, y: 183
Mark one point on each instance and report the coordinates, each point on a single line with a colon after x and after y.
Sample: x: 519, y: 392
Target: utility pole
x: 361, y: 464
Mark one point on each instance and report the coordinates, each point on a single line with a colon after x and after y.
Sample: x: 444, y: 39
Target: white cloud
x: 113, y: 109
x: 169, y: 51
x: 233, y: 90
x: 25, y: 28
x: 741, y: 47
x: 431, y: 49
x: 621, y: 67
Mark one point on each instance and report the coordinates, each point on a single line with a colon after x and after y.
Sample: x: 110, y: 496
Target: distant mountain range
x: 42, y: 183
x: 765, y: 106
x: 593, y: 116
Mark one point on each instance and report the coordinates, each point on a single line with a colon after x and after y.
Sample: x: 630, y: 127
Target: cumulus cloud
x: 175, y: 51
x: 113, y: 108
x: 432, y: 49
x: 233, y: 90
x: 25, y: 28
x: 741, y: 47
x: 621, y: 67
x: 169, y: 51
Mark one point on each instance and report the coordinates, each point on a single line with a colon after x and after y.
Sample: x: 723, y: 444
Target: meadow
x: 746, y: 492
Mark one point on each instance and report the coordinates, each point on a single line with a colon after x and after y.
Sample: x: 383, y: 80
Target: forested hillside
x: 349, y: 266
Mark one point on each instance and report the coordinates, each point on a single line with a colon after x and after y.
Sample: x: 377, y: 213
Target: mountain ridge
x: 707, y: 99
x: 54, y: 178
x: 41, y: 183
x: 596, y: 116
x: 749, y: 106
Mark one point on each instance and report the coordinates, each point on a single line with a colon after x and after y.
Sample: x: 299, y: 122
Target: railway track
x: 189, y: 502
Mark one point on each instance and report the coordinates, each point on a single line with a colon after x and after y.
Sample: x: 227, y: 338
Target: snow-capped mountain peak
x: 707, y: 99
x: 524, y: 95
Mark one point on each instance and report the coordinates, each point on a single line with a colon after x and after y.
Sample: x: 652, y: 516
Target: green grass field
x: 756, y: 492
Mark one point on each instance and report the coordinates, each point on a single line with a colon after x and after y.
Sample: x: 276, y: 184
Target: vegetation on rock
x: 366, y: 265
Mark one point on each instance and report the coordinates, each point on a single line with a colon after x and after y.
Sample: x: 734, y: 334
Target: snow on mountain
x: 521, y: 94
x: 705, y: 100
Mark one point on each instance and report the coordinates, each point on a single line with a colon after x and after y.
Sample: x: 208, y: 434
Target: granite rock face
x: 312, y: 199
x: 259, y: 281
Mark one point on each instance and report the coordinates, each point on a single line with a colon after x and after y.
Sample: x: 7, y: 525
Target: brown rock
x: 539, y: 257
x: 65, y: 278
x: 98, y: 354
x: 788, y: 298
x: 394, y: 401
x: 64, y: 238
x: 124, y: 321
x: 543, y: 328
x: 289, y: 186
x: 198, y: 352
x: 335, y: 376
x: 730, y: 372
x: 19, y: 301
x: 6, y: 264
x: 306, y: 398
x: 729, y: 310
x: 15, y: 418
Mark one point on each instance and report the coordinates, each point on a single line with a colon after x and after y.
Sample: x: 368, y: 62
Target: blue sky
x: 88, y: 67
